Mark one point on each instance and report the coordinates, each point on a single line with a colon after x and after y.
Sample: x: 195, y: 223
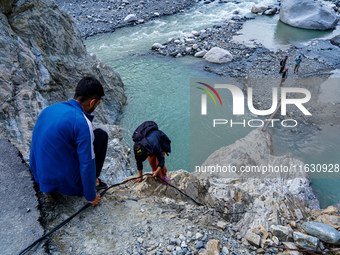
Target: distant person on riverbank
x: 283, y: 64
x: 67, y: 156
x: 298, y: 60
x: 152, y: 144
x: 284, y: 76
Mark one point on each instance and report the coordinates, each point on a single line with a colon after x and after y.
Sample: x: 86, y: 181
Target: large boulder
x: 42, y: 58
x: 307, y: 14
x: 218, y: 55
x: 322, y: 231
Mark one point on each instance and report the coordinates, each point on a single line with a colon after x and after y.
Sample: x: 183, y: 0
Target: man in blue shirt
x: 66, y: 154
x: 298, y: 60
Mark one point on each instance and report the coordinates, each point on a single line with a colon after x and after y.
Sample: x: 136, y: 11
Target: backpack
x: 281, y: 62
x: 139, y: 136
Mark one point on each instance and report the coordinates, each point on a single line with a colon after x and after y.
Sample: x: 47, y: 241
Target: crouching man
x: 67, y: 156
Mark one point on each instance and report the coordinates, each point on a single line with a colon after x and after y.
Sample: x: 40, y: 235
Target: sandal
x: 102, y: 185
x: 166, y: 181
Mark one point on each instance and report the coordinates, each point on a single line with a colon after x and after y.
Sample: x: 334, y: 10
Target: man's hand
x: 140, y: 175
x: 154, y: 174
x: 138, y: 180
x: 96, y: 201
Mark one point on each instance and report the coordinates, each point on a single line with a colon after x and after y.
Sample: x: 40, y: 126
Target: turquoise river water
x: 158, y: 88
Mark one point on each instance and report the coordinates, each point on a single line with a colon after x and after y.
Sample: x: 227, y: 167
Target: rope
x: 199, y: 204
x: 28, y: 248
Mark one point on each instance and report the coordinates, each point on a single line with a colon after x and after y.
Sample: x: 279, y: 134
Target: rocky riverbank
x: 258, y: 67
x: 102, y: 16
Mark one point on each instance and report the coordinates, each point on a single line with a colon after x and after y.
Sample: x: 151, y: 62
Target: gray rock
x: 307, y: 14
x: 259, y: 8
x: 282, y: 232
x: 190, y: 40
x: 225, y: 250
x: 253, y: 238
x: 218, y: 55
x: 236, y: 17
x: 157, y: 46
x: 39, y: 69
x: 323, y: 231
x: 195, y: 33
x: 290, y: 245
x: 198, y: 236
x: 336, y: 40
x: 130, y: 18
x: 271, y: 11
x: 199, y: 245
x: 18, y: 228
x: 305, y: 241
x: 200, y: 54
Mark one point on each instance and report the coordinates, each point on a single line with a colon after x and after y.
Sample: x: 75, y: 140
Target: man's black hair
x: 140, y: 152
x: 87, y: 88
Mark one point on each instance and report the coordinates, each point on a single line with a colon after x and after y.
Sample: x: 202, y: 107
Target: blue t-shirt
x: 298, y: 60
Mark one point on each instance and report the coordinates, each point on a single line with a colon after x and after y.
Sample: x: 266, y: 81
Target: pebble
x: 198, y: 236
x: 199, y: 245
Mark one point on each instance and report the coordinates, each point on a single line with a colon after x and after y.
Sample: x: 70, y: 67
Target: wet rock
x: 270, y: 11
x: 157, y: 46
x: 130, y: 18
x: 324, y: 232
x: 307, y: 14
x: 305, y: 241
x: 218, y: 55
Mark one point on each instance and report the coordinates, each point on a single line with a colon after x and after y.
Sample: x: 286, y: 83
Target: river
x: 158, y: 88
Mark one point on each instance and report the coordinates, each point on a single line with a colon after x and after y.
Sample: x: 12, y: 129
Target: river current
x: 158, y: 88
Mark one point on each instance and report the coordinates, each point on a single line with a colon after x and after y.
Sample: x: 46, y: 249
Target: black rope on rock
x: 231, y: 213
x: 28, y: 248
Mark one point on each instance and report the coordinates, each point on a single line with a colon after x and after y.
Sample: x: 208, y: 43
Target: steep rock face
x: 307, y: 14
x: 42, y: 58
x: 266, y: 195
